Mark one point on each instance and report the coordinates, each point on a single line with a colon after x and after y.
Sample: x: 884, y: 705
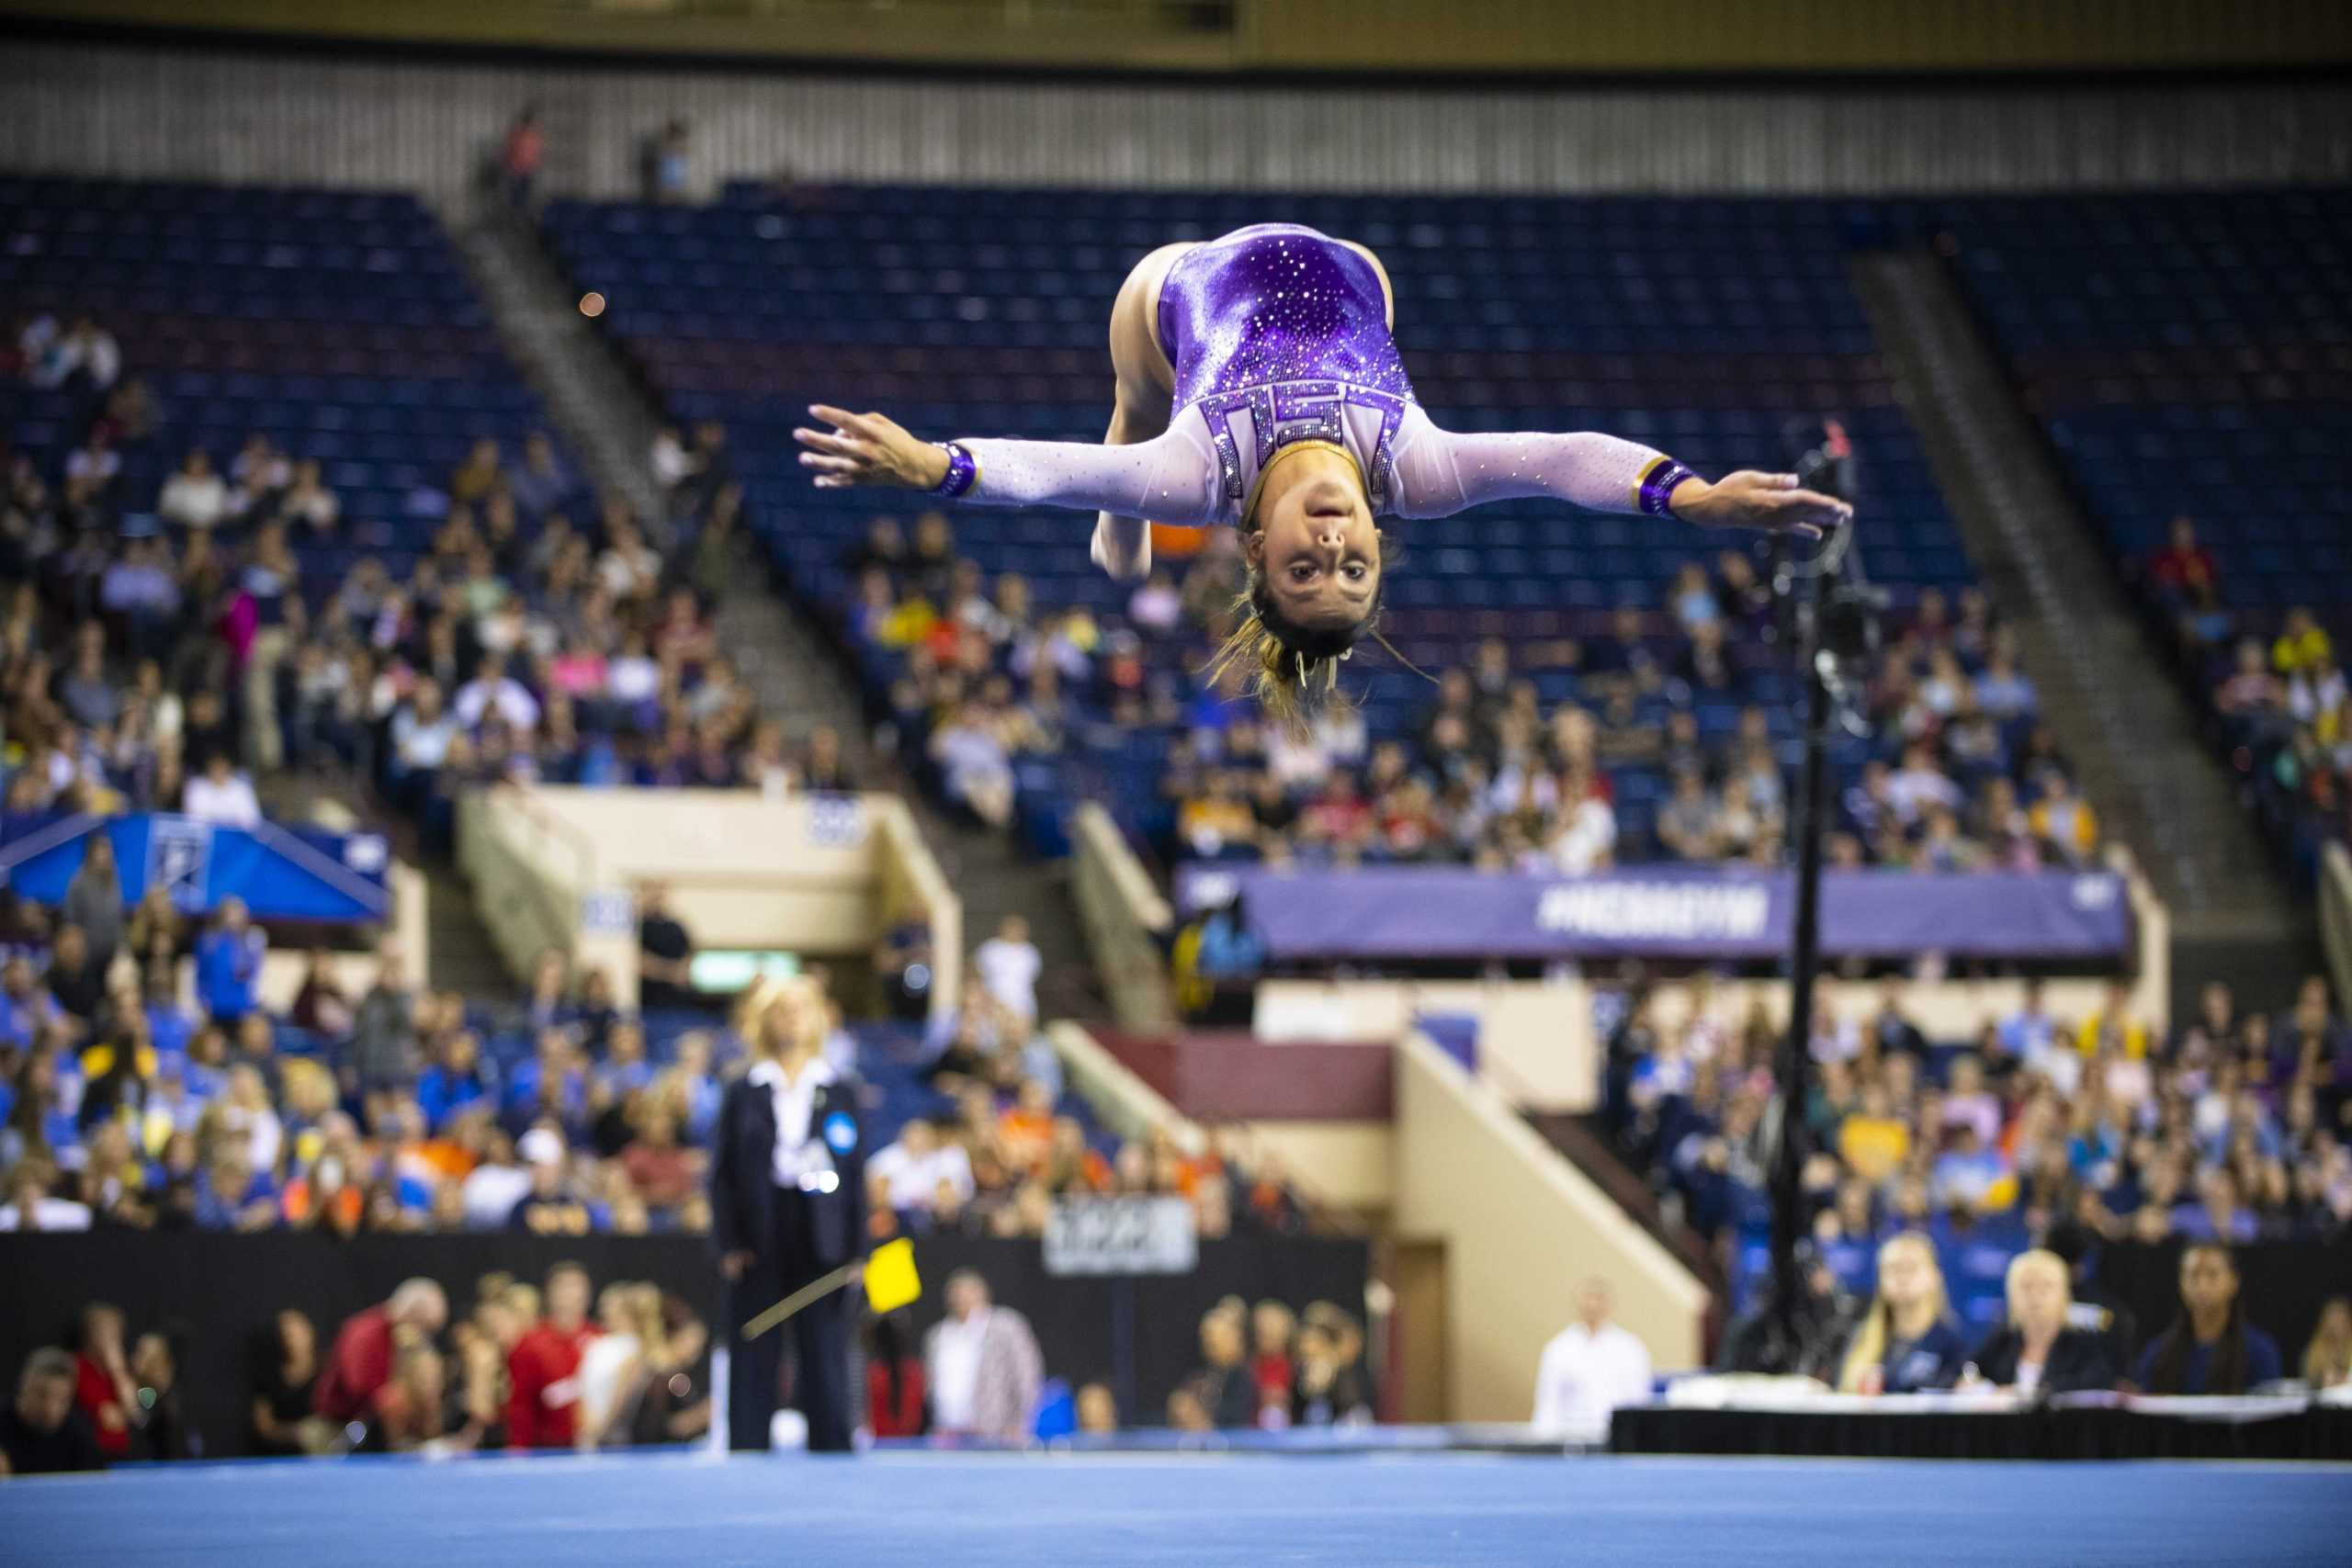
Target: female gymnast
x: 1259, y: 385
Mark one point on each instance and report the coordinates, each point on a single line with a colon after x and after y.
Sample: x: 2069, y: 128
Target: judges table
x: 1720, y: 1418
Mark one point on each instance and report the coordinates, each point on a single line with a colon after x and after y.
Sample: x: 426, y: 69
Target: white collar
x: 769, y: 1074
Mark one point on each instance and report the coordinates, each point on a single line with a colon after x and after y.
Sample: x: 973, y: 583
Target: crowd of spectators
x: 1272, y: 1367
x: 2276, y: 689
x: 2235, y: 1126
x: 163, y: 645
x: 1966, y: 778
x: 404, y: 1109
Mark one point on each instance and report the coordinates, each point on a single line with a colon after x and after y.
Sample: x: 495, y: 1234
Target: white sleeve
x: 1440, y: 472
x: 1551, y: 1417
x: 1171, y: 477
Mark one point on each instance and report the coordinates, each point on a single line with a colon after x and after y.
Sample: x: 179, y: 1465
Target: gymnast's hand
x: 868, y: 449
x: 1747, y: 499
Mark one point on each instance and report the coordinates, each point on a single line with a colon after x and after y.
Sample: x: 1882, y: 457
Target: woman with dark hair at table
x: 2210, y: 1347
x: 2035, y: 1353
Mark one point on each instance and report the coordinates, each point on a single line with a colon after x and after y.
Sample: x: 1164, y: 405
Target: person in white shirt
x: 196, y: 496
x: 1009, y: 964
x: 981, y: 1364
x: 911, y: 1169
x: 492, y: 688
x: 1590, y: 1368
x: 223, y: 795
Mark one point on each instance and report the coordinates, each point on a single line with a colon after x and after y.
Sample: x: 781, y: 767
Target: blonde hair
x: 2037, y: 1257
x: 1869, y: 1346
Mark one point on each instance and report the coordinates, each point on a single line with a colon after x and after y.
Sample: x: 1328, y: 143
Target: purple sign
x: 1665, y: 911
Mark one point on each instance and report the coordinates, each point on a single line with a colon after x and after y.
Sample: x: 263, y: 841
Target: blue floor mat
x: 983, y: 1511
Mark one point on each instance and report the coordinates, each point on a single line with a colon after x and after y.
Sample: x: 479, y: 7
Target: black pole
x: 1795, y: 1068
x: 1821, y: 596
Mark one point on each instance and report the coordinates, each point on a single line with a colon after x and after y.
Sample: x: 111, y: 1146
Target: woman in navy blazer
x: 788, y: 1204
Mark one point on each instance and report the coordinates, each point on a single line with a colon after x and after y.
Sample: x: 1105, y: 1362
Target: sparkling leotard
x: 1278, y: 335
x: 1276, y: 303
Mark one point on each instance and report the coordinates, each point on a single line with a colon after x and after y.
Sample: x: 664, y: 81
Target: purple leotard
x: 1278, y: 336
x: 1272, y: 304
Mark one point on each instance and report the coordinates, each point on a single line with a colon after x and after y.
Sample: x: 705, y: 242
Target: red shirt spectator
x: 361, y: 1362
x: 543, y: 1369
x: 2184, y: 566
x: 96, y: 1395
x: 894, y: 1396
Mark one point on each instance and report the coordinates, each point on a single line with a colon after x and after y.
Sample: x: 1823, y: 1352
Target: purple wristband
x: 1656, y: 496
x: 961, y: 470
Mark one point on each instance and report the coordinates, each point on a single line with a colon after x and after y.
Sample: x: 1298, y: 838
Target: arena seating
x: 1702, y: 326
x: 2192, y: 355
x: 337, y: 322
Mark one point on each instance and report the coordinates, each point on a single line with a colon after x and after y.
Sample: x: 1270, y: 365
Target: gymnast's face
x: 1318, y: 547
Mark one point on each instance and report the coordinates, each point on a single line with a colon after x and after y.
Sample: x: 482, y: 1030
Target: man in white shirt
x: 981, y: 1364
x: 223, y: 795
x: 1589, y: 1369
x: 1009, y: 964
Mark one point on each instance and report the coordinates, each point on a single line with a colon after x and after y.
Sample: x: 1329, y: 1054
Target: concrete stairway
x: 2146, y: 765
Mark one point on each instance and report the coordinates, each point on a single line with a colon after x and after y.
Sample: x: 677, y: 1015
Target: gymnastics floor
x: 914, y: 1510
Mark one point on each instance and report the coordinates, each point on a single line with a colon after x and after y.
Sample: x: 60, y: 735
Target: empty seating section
x: 340, y: 323
x: 2190, y: 353
x: 1704, y: 327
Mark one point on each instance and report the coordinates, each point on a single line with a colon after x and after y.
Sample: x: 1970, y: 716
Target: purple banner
x: 1665, y: 911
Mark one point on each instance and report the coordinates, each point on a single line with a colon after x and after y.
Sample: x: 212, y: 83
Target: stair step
x: 2144, y: 761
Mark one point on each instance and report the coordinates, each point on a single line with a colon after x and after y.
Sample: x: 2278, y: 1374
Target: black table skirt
x: 2317, y: 1434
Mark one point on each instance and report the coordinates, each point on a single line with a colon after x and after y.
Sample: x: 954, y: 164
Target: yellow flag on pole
x: 891, y: 1279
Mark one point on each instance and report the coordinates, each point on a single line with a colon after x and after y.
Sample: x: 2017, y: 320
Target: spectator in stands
x: 2036, y: 1353
x: 1008, y: 965
x: 42, y: 1432
x: 94, y: 900
x: 2252, y: 695
x: 983, y: 1365
x: 974, y: 764
x: 286, y: 1373
x: 2327, y: 1360
x: 665, y: 952
x: 494, y: 693
x: 1224, y: 1385
x: 913, y: 1169
x: 1907, y: 1340
x: 2302, y: 644
x: 1330, y: 1388
x: 1689, y: 826
x: 2063, y: 821
x: 2210, y: 1347
x: 542, y: 1404
x: 228, y: 963
x: 520, y: 156
x: 360, y: 1365
x: 383, y: 1045
x: 2183, y: 569
x: 541, y: 484
x: 1098, y: 1410
x: 104, y: 1389
x: 223, y: 795
x: 1589, y: 1371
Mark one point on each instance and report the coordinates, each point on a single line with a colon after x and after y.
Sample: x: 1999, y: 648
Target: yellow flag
x: 891, y: 1281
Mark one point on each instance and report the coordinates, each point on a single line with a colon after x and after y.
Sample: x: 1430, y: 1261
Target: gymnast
x: 1259, y: 385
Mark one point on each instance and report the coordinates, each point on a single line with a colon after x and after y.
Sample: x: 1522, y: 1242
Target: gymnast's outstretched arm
x: 1440, y: 472
x: 1172, y: 476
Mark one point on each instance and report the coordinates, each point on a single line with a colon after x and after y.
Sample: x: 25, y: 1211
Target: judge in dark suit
x: 787, y: 1202
x: 2037, y: 1353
